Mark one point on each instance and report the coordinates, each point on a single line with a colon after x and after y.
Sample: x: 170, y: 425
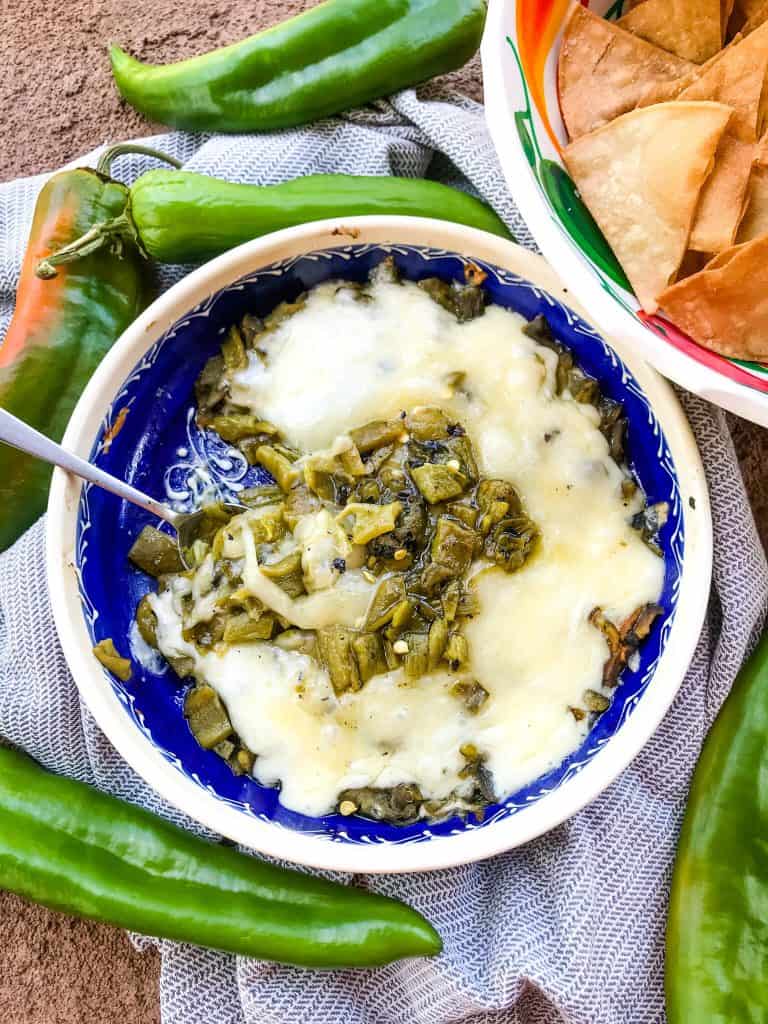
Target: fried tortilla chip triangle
x: 726, y: 9
x: 604, y: 71
x: 737, y: 77
x: 688, y: 28
x: 641, y: 176
x: 725, y: 306
x: 748, y: 14
x: 755, y: 221
x: 723, y: 197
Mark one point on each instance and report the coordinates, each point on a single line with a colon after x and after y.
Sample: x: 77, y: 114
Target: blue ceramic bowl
x: 160, y: 450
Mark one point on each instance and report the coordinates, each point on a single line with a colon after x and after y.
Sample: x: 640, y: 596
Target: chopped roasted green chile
x: 466, y: 513
x: 511, y: 542
x: 299, y: 501
x: 409, y: 534
x: 438, y: 482
x: 399, y: 804
x: 456, y: 651
x: 437, y: 643
x: 450, y: 600
x: 472, y: 693
x: 242, y: 628
x: 155, y: 553
x: 235, y: 426
x: 278, y: 466
x: 594, y: 701
x: 369, y: 652
x: 389, y: 594
x: 453, y: 545
x: 210, y: 386
x: 376, y: 434
x: 207, y: 716
x: 613, y: 427
x: 371, y: 521
x: 233, y: 350
x: 334, y: 646
x: 476, y: 769
x: 428, y: 423
x: 146, y: 620
x: 106, y: 652
x: 464, y: 301
x: 206, y: 634
x: 585, y: 390
x: 287, y: 573
x: 649, y: 521
x: 415, y: 655
x: 490, y: 491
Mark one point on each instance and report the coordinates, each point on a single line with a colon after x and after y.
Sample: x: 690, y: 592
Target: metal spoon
x: 18, y: 434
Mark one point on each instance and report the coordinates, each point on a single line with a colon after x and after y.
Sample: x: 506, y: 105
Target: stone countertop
x: 58, y: 101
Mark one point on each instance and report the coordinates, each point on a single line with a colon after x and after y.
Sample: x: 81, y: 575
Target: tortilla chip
x: 692, y: 263
x: 663, y: 92
x: 688, y: 28
x: 756, y: 19
x: 641, y: 176
x: 726, y: 10
x: 724, y: 196
x: 736, y: 77
x: 746, y: 11
x: 604, y: 71
x: 725, y: 306
x: 755, y: 221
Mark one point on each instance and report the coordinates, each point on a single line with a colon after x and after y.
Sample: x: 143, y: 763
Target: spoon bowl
x: 18, y: 434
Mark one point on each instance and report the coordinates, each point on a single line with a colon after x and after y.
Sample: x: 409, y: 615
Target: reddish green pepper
x: 60, y: 329
x: 717, y: 933
x: 338, y: 55
x: 70, y: 847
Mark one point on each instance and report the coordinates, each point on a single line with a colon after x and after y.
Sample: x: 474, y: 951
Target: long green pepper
x: 338, y: 55
x: 70, y: 847
x: 717, y: 932
x: 176, y: 216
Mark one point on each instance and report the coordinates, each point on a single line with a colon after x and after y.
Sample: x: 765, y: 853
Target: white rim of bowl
x: 317, y: 851
x: 575, y: 269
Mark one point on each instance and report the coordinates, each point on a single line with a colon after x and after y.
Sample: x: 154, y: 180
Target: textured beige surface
x: 57, y: 101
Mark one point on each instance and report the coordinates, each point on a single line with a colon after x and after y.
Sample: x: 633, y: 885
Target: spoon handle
x: 20, y: 435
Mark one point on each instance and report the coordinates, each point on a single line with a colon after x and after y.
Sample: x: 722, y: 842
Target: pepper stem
x: 106, y: 232
x: 104, y: 166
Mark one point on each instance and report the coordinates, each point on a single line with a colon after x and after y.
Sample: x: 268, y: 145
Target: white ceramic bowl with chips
x: 519, y: 52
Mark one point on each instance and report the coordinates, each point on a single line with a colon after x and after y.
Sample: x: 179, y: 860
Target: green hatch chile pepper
x: 338, y: 55
x: 183, y: 217
x: 717, y: 933
x: 72, y: 848
x: 61, y: 329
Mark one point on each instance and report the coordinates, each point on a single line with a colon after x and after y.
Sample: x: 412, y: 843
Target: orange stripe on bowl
x: 538, y: 22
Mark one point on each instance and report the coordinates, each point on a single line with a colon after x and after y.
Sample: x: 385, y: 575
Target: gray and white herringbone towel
x: 568, y: 928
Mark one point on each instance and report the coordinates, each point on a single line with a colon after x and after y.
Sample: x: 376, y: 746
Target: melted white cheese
x: 335, y: 365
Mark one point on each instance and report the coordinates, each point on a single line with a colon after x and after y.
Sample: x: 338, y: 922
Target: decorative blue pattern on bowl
x: 160, y: 450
